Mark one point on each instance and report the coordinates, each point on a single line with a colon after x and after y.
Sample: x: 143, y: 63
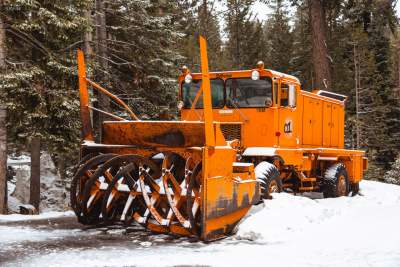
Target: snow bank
x: 17, y: 234
x: 53, y: 194
x: 42, y: 216
x: 289, y: 231
x: 289, y: 215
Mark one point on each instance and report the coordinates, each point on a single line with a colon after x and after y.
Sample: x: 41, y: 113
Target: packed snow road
x: 287, y: 231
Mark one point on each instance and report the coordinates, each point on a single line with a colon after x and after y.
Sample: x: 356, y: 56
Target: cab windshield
x: 233, y: 92
x: 189, y: 92
x: 246, y: 93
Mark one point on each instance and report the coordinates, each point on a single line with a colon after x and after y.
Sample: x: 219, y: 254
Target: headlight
x: 255, y: 75
x: 180, y: 105
x: 188, y: 78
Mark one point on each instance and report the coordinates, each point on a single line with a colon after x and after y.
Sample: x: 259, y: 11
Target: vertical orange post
x: 87, y: 131
x: 205, y: 77
x: 208, y: 128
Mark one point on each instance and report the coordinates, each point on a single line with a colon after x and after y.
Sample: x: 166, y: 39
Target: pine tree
x: 393, y: 175
x: 279, y: 39
x: 237, y: 17
x: 254, y: 44
x: 203, y: 20
x: 302, y: 48
x: 142, y: 39
x: 38, y: 83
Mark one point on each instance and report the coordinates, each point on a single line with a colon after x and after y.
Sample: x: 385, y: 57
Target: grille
x: 231, y: 131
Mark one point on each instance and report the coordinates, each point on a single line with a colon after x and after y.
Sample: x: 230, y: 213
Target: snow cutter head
x: 169, y: 176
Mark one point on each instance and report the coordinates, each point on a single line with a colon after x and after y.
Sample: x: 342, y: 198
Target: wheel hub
x: 342, y: 186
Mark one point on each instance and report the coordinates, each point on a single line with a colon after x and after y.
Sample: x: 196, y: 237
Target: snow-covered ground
x: 53, y: 190
x: 45, y: 215
x: 288, y: 231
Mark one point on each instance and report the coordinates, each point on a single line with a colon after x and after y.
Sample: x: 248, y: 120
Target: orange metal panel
x: 335, y: 126
x: 288, y: 125
x: 258, y: 127
x: 317, y: 123
x: 154, y: 133
x: 340, y: 126
x: 226, y: 198
x: 327, y: 123
x: 308, y: 104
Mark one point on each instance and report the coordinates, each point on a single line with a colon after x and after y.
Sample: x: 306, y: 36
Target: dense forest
x: 136, y: 47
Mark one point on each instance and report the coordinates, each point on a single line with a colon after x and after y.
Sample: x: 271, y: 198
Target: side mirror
x: 292, y: 96
x: 268, y: 102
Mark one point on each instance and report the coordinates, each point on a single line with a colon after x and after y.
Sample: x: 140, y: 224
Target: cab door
x: 288, y: 128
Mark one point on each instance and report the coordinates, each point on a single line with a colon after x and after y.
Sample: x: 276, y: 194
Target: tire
x: 267, y: 175
x: 354, y: 188
x: 335, y: 182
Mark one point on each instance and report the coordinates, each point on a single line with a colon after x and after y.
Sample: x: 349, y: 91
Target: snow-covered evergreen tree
x: 279, y: 39
x: 38, y: 84
x: 393, y: 175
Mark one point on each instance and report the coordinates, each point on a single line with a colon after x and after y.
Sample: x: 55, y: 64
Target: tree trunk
x: 2, y: 41
x: 62, y: 169
x: 204, y: 18
x: 3, y: 162
x: 34, y: 197
x: 3, y: 128
x: 101, y: 32
x: 87, y: 35
x: 237, y: 50
x: 320, y: 51
x: 357, y: 87
x: 397, y: 92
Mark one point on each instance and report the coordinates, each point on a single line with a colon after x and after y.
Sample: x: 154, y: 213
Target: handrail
x: 194, y: 103
x: 107, y: 113
x: 119, y: 101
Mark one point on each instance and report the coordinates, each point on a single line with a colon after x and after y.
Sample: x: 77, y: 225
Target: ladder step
x: 306, y: 188
x: 308, y: 179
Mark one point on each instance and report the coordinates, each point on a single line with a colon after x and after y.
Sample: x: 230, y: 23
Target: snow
x: 262, y: 169
x: 53, y: 192
x: 259, y: 151
x: 287, y: 231
x: 20, y: 160
x: 42, y: 216
x: 27, y: 234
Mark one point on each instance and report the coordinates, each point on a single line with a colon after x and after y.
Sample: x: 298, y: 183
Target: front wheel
x: 267, y: 175
x: 354, y: 188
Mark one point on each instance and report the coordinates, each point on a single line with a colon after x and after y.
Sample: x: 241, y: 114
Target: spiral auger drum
x: 176, y: 177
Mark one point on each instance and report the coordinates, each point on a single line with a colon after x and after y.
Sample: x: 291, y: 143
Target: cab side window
x: 284, y: 95
x: 288, y: 95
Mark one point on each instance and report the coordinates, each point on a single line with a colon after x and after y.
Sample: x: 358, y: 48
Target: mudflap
x: 226, y: 197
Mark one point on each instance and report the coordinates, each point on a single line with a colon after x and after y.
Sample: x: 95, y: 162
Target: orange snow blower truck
x: 242, y: 135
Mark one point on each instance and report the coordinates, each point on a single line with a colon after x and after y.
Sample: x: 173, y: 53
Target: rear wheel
x: 354, y: 188
x: 267, y: 175
x: 335, y: 182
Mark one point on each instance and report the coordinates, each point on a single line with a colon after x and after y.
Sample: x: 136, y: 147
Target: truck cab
x: 300, y: 132
x: 265, y: 108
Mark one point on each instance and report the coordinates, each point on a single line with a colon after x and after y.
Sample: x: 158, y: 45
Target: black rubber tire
x: 330, y: 181
x: 268, y: 174
x: 354, y: 188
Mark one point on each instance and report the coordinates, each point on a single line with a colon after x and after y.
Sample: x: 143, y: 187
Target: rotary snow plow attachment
x: 177, y: 177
